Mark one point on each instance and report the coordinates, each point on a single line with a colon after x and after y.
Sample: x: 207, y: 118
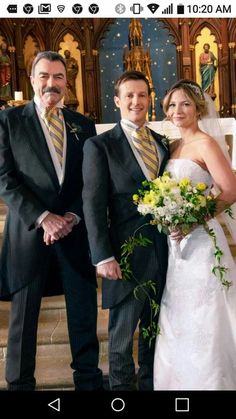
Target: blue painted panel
x: 163, y: 56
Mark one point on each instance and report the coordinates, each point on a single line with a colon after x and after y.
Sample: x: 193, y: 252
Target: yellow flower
x: 202, y: 201
x: 184, y: 182
x: 165, y: 178
x: 157, y: 181
x: 201, y: 186
x: 135, y: 197
x: 165, y: 187
x: 150, y: 198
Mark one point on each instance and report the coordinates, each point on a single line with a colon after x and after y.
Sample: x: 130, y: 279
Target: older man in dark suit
x: 114, y: 168
x: 45, y: 239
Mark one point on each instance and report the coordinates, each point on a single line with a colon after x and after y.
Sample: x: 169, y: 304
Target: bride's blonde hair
x: 193, y: 91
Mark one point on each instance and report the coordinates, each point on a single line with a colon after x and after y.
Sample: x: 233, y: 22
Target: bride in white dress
x: 196, y: 349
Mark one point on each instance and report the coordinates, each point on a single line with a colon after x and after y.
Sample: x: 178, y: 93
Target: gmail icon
x: 44, y: 8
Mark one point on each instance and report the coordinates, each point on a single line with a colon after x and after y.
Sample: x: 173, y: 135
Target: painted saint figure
x: 5, y: 73
x: 208, y: 67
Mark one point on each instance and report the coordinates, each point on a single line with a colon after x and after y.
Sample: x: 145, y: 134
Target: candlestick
x: 18, y: 95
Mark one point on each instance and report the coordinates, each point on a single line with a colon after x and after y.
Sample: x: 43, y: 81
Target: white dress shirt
x: 60, y: 170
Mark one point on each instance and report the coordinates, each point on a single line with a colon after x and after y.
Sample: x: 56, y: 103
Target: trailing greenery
x: 218, y: 270
x: 148, y: 287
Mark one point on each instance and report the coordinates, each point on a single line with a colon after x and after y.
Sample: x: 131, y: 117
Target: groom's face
x: 133, y: 101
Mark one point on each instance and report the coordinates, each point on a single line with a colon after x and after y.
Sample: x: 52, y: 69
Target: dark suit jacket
x: 111, y: 176
x: 29, y: 186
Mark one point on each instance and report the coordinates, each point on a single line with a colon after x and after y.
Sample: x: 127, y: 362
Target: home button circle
x: 117, y: 404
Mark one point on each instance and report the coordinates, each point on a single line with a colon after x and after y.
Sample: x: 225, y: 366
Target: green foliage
x: 148, y: 287
x: 229, y: 211
x: 218, y: 270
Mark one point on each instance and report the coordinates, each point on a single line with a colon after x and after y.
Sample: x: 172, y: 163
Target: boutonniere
x: 165, y: 140
x: 75, y: 129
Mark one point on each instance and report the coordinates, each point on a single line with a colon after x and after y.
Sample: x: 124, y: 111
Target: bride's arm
x: 221, y: 172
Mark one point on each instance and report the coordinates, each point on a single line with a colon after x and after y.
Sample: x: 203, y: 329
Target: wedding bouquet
x: 181, y: 205
x: 175, y: 204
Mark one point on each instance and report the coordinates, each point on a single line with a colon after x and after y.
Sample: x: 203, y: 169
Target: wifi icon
x: 153, y: 7
x: 61, y: 8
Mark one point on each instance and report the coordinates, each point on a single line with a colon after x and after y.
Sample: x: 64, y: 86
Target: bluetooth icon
x: 120, y: 8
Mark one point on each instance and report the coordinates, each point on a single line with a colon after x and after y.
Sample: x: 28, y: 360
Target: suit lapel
x: 164, y: 148
x: 124, y: 154
x: 75, y: 144
x: 37, y: 141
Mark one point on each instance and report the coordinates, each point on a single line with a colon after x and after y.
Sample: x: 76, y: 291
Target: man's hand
x: 48, y: 239
x: 71, y: 219
x: 57, y: 226
x: 110, y: 270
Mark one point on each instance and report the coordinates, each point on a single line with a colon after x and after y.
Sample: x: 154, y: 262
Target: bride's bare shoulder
x: 207, y: 141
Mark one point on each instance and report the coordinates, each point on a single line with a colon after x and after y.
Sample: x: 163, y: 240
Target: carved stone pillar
x: 19, y: 59
x: 186, y: 53
x: 179, y: 49
x: 12, y: 51
x: 89, y: 58
x: 224, y: 79
x: 232, y: 59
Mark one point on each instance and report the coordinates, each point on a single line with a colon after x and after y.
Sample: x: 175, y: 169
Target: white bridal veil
x: 211, y: 125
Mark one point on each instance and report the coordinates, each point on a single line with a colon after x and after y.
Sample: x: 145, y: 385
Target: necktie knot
x: 49, y: 113
x: 141, y: 133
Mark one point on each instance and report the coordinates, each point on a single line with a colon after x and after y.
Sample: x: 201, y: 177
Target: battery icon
x: 180, y: 9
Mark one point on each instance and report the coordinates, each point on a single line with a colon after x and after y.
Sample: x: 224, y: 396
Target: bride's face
x: 182, y: 110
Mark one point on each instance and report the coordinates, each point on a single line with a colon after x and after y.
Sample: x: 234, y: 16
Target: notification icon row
x: 77, y: 8
x: 46, y: 8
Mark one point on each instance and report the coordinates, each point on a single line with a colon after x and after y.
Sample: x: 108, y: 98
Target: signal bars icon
x: 168, y: 10
x: 60, y: 8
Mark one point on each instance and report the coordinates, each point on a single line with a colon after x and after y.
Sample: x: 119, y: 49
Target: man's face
x: 49, y: 82
x: 133, y: 101
x: 4, y: 47
x: 67, y: 53
x: 206, y: 47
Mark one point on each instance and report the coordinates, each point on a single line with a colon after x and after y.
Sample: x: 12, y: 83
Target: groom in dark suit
x: 45, y: 240
x: 114, y: 168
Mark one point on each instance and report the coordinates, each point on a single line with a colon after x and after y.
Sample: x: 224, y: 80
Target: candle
x: 18, y: 95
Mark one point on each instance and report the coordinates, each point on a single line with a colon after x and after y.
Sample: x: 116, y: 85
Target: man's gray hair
x: 47, y: 55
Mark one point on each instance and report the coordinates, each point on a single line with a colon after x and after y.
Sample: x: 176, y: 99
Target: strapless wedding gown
x: 196, y: 349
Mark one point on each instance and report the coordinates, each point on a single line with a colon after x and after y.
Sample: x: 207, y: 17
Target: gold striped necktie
x: 145, y: 144
x: 54, y: 121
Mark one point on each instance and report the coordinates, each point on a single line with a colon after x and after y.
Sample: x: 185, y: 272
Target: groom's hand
x: 109, y: 270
